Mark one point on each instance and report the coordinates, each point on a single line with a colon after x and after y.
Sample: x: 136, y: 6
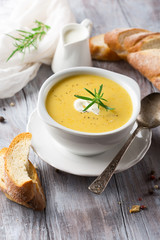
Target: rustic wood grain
x: 73, y: 212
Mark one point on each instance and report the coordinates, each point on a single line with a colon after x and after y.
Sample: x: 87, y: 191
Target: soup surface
x: 60, y: 104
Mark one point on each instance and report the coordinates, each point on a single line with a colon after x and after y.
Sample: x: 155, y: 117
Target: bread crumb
x: 135, y: 208
x: 12, y: 104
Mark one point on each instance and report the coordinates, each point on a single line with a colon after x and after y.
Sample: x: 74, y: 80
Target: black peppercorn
x: 2, y: 119
x: 152, y: 172
x: 150, y: 191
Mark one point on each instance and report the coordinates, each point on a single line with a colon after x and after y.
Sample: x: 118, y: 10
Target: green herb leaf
x: 105, y: 106
x: 84, y: 98
x: 89, y: 105
x: 89, y: 92
x: 29, y: 39
x: 104, y: 99
x: 100, y: 89
x: 97, y: 99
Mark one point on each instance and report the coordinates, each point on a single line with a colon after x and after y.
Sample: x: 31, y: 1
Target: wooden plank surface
x: 73, y: 212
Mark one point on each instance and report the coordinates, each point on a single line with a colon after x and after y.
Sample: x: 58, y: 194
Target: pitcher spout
x: 74, y: 33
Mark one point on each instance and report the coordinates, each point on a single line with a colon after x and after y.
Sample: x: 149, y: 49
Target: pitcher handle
x: 88, y: 24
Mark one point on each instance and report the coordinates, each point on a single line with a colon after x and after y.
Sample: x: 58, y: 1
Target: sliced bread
x: 21, y: 179
x: 100, y: 50
x: 132, y: 40
x: 152, y: 41
x: 2, y: 175
x: 2, y: 178
x: 115, y: 39
x: 140, y: 47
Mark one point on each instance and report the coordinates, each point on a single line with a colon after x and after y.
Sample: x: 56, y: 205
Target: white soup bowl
x: 83, y: 143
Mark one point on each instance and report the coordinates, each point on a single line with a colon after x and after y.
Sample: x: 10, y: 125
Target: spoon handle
x: 100, y: 183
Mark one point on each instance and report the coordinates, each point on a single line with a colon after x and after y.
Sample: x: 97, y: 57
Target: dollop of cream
x: 80, y: 104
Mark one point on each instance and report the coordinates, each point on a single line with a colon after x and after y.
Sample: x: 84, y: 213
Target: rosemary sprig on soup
x: 76, y: 114
x: 96, y: 100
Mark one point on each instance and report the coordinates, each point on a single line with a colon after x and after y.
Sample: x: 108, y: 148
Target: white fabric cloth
x: 20, y: 69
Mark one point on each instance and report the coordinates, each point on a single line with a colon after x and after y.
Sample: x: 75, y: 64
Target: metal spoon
x: 149, y: 117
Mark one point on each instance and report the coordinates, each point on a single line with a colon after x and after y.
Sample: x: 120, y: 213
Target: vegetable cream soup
x: 67, y: 109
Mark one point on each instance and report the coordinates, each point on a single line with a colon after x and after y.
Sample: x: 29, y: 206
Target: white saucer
x: 55, y: 155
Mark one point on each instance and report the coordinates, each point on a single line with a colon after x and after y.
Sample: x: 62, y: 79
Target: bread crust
x: 112, y: 39
x: 24, y: 192
x: 115, y: 39
x: 142, y: 44
x: 29, y: 193
x: 132, y: 40
x: 100, y: 50
x: 140, y: 47
x: 13, y: 200
x: 2, y: 182
x: 38, y: 202
x: 147, y: 62
x: 3, y: 187
x: 3, y: 151
x: 156, y: 81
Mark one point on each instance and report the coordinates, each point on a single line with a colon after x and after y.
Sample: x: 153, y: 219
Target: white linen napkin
x: 20, y: 69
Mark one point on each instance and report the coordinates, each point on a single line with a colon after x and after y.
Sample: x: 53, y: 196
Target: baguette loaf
x: 152, y: 41
x: 141, y: 48
x: 132, y: 40
x: 100, y: 50
x: 22, y: 184
x: 115, y: 39
x: 147, y: 62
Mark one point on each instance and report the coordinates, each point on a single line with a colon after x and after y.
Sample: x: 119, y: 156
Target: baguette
x: 151, y: 41
x: 21, y: 179
x: 100, y: 50
x: 140, y: 47
x: 132, y: 40
x: 115, y: 39
x: 147, y: 62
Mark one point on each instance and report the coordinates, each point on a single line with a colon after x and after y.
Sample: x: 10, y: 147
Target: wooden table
x: 72, y: 211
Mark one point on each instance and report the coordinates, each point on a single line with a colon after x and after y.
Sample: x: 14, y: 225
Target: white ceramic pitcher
x: 73, y: 46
